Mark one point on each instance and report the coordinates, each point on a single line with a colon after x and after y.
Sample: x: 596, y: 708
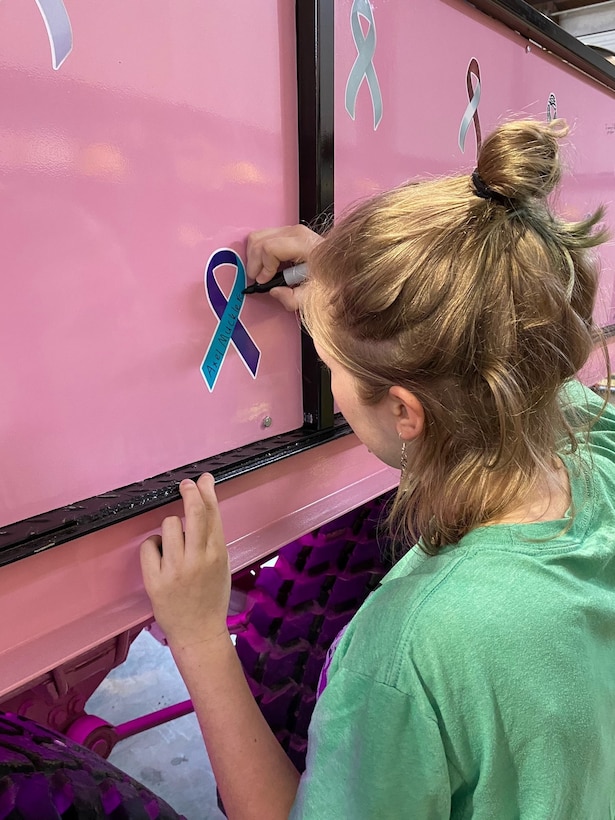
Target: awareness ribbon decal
x: 229, y: 329
x: 363, y: 68
x: 551, y: 108
x: 58, y: 28
x: 471, y: 112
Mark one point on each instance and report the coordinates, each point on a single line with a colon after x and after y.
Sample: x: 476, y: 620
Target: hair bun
x: 520, y: 160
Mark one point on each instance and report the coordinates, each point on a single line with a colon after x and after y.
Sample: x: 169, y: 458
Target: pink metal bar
x: 140, y: 724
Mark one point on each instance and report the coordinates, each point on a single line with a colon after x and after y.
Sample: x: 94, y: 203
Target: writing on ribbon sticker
x: 551, y: 108
x: 229, y: 330
x: 471, y: 113
x: 363, y: 68
x: 58, y: 28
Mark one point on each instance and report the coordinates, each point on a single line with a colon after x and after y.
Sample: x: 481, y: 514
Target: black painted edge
x: 41, y: 532
x: 530, y: 23
x: 315, y: 109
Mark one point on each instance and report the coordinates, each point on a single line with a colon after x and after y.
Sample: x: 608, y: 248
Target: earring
x: 404, y: 459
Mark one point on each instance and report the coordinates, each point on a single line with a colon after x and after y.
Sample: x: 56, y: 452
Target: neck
x: 548, y: 499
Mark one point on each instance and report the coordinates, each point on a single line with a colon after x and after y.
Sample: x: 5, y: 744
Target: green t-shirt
x: 480, y: 683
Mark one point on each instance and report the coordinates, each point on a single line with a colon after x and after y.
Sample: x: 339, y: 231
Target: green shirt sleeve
x: 373, y: 752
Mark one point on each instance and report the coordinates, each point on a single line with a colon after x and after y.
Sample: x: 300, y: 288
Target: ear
x: 408, y: 412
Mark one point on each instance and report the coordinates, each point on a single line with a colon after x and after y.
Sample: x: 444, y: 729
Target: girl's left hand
x: 187, y: 575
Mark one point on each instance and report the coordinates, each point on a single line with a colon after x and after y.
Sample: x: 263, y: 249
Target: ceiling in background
x: 593, y: 23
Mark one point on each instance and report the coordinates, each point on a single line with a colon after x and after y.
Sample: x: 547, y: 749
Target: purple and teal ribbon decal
x: 229, y: 329
x: 58, y: 28
x: 471, y: 113
x: 363, y: 68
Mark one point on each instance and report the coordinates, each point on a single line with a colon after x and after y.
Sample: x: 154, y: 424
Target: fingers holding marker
x: 268, y: 249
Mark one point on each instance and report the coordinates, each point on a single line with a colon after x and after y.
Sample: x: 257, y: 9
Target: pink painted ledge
x: 61, y: 603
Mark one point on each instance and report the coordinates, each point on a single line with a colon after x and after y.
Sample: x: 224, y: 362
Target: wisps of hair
x: 482, y: 309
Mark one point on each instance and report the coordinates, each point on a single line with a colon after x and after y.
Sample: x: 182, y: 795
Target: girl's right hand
x: 267, y: 249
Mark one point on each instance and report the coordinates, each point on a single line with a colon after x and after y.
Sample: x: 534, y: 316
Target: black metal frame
x: 50, y: 529
x: 530, y: 23
x: 315, y: 57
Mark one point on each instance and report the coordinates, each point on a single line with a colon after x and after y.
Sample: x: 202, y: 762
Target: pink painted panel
x: 161, y: 137
x: 59, y: 604
x: 419, y: 66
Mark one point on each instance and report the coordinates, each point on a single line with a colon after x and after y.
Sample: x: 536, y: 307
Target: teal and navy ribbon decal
x: 230, y: 329
x: 471, y: 112
x: 363, y: 68
x: 58, y: 28
x: 551, y: 108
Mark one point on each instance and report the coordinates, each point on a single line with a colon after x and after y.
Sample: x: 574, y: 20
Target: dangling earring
x: 404, y: 459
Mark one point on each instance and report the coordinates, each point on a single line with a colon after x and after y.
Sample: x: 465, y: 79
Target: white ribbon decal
x: 471, y: 112
x: 363, y: 68
x: 551, y: 108
x: 58, y: 28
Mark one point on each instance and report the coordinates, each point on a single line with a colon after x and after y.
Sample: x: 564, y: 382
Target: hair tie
x: 482, y: 190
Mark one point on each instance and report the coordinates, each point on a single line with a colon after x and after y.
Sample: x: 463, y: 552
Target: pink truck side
x: 138, y: 148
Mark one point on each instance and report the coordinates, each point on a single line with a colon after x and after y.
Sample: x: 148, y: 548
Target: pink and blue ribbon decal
x: 363, y: 68
x: 58, y: 28
x: 471, y: 113
x: 229, y: 329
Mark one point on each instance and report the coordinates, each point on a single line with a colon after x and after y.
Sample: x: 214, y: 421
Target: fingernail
x: 186, y: 483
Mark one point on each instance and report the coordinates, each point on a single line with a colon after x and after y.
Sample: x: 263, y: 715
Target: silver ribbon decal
x: 471, y: 112
x: 58, y: 28
x: 551, y: 108
x: 363, y: 68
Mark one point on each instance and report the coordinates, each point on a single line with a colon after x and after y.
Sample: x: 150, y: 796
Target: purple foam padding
x: 299, y: 605
x: 273, y: 579
x: 278, y: 706
x: 297, y: 625
x: 257, y: 690
x: 283, y: 696
x: 296, y: 552
x: 264, y: 622
x: 349, y: 593
x: 313, y: 668
x: 281, y: 668
x: 305, y: 590
x: 250, y: 656
x: 331, y: 627
x: 296, y: 750
x: 308, y: 701
x: 365, y: 553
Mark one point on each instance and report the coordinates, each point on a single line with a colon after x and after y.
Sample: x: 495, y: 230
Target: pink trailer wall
x: 409, y: 108
x: 167, y: 133
x: 163, y: 136
x: 135, y: 143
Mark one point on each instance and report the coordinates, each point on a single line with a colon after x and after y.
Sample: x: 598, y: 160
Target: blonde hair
x: 482, y: 307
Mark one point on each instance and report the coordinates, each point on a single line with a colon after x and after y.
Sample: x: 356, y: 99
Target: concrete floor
x: 171, y: 759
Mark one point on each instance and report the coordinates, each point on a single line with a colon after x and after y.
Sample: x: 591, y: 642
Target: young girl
x: 478, y: 680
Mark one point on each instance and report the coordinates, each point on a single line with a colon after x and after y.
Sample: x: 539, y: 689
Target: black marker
x: 290, y: 278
